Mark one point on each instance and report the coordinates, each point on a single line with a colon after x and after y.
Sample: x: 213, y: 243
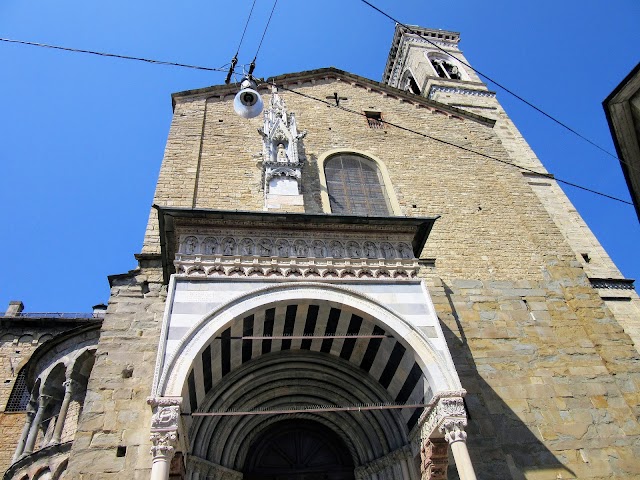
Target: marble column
x: 454, y: 433
x: 70, y: 386
x: 164, y: 434
x: 446, y: 417
x: 31, y: 412
x: 43, y: 401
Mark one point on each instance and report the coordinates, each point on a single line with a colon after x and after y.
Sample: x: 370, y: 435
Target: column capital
x: 164, y: 443
x: 445, y: 408
x: 164, y: 425
x: 70, y: 385
x: 453, y: 429
x: 43, y: 400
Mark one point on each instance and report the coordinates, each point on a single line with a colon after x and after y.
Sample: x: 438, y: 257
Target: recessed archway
x: 286, y: 348
x: 298, y: 450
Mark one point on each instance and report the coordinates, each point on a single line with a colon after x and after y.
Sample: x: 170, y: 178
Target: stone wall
x: 552, y: 379
x: 490, y: 221
x: 115, y: 412
x: 10, y: 428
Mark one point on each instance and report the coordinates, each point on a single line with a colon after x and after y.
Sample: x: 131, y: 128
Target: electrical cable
x: 234, y: 60
x: 114, y: 55
x: 245, y: 28
x: 562, y: 124
x: 265, y: 31
x: 546, y: 175
x: 160, y: 62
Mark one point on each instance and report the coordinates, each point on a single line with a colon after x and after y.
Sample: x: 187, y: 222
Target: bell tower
x: 428, y: 62
x: 421, y: 58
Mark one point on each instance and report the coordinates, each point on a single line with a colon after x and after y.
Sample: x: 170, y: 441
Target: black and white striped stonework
x: 384, y: 360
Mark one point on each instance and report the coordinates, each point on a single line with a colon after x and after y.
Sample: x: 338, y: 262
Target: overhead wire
x: 234, y: 60
x: 114, y: 55
x: 245, y: 28
x: 197, y: 67
x: 252, y: 66
x: 446, y: 142
x: 498, y: 84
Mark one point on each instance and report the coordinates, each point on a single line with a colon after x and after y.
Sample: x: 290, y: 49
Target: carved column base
x: 435, y: 459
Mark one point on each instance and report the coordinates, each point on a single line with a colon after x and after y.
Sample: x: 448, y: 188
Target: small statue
x: 370, y: 250
x: 229, y: 246
x: 190, y: 245
x: 319, y: 249
x: 282, y: 154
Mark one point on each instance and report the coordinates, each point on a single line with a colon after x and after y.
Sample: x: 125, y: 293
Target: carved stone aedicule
x: 434, y: 456
x: 164, y: 425
x: 242, y: 254
x: 282, y: 156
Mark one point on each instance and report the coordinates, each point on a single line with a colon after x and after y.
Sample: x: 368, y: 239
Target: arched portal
x: 304, y: 353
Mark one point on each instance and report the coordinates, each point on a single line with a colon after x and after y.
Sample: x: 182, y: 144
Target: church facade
x: 371, y: 280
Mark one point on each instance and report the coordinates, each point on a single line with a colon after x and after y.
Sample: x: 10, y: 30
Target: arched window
x: 446, y: 67
x: 355, y: 186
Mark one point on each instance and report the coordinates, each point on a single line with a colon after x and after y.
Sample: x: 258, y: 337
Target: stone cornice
x: 349, y: 231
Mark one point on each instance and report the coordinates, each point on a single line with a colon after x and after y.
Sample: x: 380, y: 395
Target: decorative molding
x: 443, y: 405
x: 434, y: 454
x: 462, y: 91
x: 164, y: 425
x: 389, y: 461
x: 612, y: 283
x: 246, y: 244
x: 239, y: 255
x: 211, y: 470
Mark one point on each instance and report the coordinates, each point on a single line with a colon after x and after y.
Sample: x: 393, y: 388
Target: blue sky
x: 82, y: 137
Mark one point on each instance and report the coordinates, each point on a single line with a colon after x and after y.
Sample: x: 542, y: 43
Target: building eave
x: 421, y: 226
x: 624, y: 131
x: 291, y: 80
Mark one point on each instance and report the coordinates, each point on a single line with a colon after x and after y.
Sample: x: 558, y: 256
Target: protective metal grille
x: 355, y: 186
x: 19, y: 398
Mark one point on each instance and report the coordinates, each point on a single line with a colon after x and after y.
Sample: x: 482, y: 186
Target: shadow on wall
x: 501, y: 445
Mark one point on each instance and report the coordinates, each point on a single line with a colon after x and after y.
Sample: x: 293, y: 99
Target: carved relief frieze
x: 240, y: 254
x: 461, y: 91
